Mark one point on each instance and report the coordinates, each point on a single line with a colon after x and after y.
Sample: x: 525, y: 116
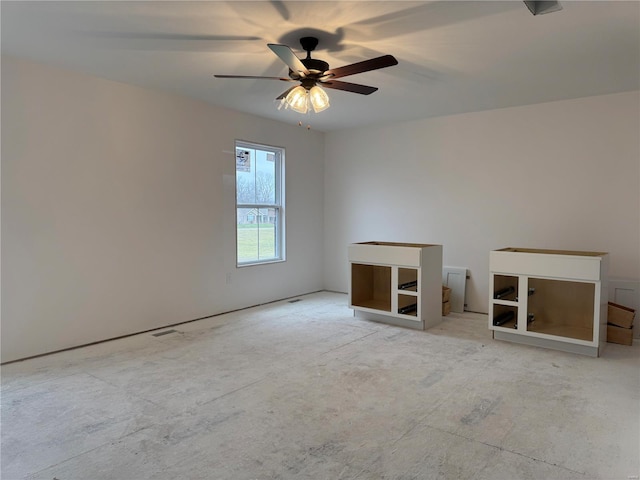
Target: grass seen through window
x: 256, y: 241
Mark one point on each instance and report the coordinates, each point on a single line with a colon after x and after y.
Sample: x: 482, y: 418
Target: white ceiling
x: 454, y: 56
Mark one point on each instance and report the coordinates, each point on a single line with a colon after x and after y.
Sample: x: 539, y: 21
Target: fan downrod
x: 315, y: 66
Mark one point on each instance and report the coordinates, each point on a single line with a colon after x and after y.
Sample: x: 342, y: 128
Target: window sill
x: 264, y: 262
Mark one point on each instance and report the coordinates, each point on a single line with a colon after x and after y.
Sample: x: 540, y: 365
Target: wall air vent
x: 166, y: 332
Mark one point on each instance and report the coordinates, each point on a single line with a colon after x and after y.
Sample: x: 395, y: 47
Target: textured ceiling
x: 454, y: 56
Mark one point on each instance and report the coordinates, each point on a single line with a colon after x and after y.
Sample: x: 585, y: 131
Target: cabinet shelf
x: 511, y: 325
x: 564, y: 331
x: 408, y: 293
x: 505, y: 302
x: 374, y: 304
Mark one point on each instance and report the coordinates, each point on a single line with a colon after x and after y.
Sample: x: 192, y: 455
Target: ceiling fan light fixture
x: 302, y: 99
x: 319, y: 99
x: 311, y: 71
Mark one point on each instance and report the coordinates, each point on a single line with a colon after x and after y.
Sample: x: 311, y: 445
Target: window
x: 259, y: 204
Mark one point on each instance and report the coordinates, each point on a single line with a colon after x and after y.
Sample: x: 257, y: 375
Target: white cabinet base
x: 388, y: 319
x: 396, y: 283
x: 561, y: 345
x: 549, y: 298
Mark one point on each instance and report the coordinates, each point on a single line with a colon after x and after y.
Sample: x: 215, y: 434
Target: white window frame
x: 278, y: 205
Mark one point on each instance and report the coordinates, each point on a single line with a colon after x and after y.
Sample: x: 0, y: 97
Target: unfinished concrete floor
x: 306, y: 391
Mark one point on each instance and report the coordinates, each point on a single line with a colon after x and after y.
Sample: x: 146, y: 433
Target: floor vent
x: 166, y: 332
x: 295, y: 300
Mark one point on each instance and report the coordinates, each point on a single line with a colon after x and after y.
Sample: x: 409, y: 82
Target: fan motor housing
x: 315, y: 64
x: 312, y: 64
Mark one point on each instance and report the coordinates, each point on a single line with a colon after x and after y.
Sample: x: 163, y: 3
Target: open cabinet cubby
x: 562, y: 308
x: 408, y: 279
x: 408, y: 305
x: 505, y: 287
x: 505, y: 316
x: 372, y: 286
x: 549, y: 298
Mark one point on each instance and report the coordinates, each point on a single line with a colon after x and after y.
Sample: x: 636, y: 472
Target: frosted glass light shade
x: 298, y: 100
x: 319, y: 99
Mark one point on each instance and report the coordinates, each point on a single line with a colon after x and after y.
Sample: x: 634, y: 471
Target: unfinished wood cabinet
x: 549, y: 298
x: 397, y: 283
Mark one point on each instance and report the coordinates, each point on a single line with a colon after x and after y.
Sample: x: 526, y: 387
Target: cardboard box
x: 446, y: 293
x: 623, y: 336
x: 446, y: 308
x: 620, y: 315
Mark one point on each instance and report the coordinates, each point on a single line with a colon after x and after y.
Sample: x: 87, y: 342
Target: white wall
x: 117, y: 201
x: 118, y: 210
x: 562, y: 175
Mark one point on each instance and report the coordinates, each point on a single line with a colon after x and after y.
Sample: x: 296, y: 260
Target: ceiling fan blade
x: 172, y: 42
x: 422, y: 17
x: 349, y: 87
x: 538, y: 7
x: 255, y: 76
x: 281, y: 8
x: 288, y: 57
x: 172, y: 36
x: 285, y: 93
x: 365, y: 66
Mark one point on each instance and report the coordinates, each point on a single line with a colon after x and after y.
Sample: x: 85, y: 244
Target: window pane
x: 267, y: 234
x: 247, y: 234
x: 257, y: 234
x: 265, y: 180
x: 245, y: 175
x: 255, y: 176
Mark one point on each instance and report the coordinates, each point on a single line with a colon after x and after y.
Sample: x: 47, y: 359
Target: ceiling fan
x: 313, y: 73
